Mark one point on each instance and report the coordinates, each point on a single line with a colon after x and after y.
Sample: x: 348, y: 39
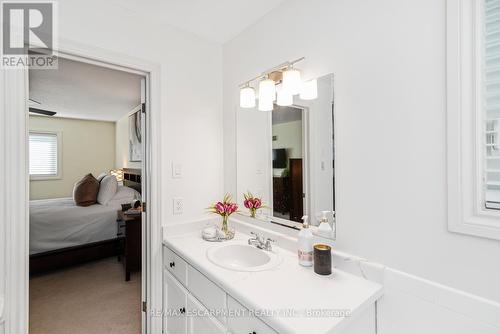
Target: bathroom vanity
x: 229, y: 287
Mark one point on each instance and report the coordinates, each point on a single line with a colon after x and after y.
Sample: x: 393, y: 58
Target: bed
x: 63, y: 234
x: 59, y: 223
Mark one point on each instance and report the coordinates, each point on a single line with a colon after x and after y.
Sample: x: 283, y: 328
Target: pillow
x: 127, y: 193
x: 124, y: 195
x: 85, y: 191
x: 107, y: 190
x: 101, y: 176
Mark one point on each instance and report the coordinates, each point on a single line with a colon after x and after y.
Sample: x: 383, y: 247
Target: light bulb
x: 283, y: 98
x: 267, y: 90
x: 247, y: 97
x: 266, y: 105
x: 291, y: 81
x: 309, y: 90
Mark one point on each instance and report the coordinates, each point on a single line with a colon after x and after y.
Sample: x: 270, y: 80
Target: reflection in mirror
x: 287, y: 163
x: 286, y: 157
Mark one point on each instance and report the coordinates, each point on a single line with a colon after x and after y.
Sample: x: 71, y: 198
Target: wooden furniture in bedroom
x: 130, y: 236
x: 296, y: 190
x: 132, y: 178
x: 281, y: 195
x: 61, y: 258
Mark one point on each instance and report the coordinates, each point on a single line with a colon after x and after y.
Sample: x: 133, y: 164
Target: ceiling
x: 218, y: 21
x: 85, y: 91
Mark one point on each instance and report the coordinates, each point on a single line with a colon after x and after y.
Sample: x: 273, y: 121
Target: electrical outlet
x: 178, y: 203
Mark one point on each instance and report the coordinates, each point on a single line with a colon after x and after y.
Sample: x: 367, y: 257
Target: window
x: 473, y: 116
x: 491, y: 99
x: 44, y: 150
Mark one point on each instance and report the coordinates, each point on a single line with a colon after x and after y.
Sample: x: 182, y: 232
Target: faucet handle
x: 268, y: 243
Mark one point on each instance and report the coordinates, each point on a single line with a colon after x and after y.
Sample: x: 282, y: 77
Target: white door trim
x: 14, y: 181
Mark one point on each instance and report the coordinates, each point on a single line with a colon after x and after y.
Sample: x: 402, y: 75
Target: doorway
x: 14, y: 135
x: 86, y: 127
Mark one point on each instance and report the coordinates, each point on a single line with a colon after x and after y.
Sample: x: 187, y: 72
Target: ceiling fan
x: 40, y: 111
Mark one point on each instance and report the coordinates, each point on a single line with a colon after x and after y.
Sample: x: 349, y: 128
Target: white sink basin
x: 241, y: 257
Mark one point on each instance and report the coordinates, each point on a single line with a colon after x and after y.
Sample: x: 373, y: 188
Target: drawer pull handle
x: 172, y: 264
x: 253, y: 332
x: 182, y: 310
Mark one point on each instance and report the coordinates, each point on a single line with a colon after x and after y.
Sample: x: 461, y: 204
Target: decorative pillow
x: 107, y: 190
x: 101, y: 176
x: 85, y: 191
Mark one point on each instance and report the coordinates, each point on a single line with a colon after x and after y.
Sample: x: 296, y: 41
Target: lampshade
x: 283, y: 98
x: 309, y: 90
x: 247, y: 97
x: 291, y: 81
x: 267, y: 91
x: 118, y: 173
x: 266, y: 105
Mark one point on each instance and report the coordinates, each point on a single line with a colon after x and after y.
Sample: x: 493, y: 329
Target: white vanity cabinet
x: 244, y: 323
x: 193, y: 304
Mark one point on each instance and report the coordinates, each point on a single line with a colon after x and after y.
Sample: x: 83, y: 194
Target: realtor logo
x: 28, y: 35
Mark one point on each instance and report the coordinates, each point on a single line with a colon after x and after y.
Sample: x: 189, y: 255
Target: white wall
x: 191, y: 101
x: 254, y: 155
x: 122, y: 157
x: 289, y: 136
x: 87, y: 147
x: 388, y: 57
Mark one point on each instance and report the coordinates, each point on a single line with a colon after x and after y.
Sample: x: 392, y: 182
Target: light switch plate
x: 178, y: 203
x: 176, y: 170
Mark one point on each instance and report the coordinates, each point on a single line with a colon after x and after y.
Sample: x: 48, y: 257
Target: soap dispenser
x: 324, y: 228
x: 305, y: 251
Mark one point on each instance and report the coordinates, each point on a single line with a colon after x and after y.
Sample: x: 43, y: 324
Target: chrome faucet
x: 261, y: 242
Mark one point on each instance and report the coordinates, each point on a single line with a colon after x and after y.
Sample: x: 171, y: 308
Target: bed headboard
x: 132, y: 177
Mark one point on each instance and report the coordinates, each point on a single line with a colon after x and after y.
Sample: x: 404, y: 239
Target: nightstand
x: 130, y: 233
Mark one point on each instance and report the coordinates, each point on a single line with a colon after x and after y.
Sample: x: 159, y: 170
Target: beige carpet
x: 90, y: 298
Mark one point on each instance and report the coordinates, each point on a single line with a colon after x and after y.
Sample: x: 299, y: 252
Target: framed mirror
x: 286, y: 157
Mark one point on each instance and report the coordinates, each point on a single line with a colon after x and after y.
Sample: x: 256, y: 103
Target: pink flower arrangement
x: 252, y: 203
x: 224, y: 209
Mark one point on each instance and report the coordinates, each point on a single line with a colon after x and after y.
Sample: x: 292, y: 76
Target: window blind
x: 491, y: 81
x: 43, y: 154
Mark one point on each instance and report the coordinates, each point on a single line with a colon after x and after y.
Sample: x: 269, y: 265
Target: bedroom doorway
x: 88, y: 148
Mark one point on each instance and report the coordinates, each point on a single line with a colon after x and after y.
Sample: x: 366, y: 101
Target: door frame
x: 14, y: 178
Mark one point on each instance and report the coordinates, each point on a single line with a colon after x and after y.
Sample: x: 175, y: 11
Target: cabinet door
x: 199, y: 321
x: 174, y: 319
x: 244, y: 323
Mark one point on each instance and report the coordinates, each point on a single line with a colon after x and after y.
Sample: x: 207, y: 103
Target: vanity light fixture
x: 267, y: 90
x: 247, y: 96
x: 283, y: 98
x: 266, y: 105
x: 291, y: 84
x: 291, y: 81
x: 309, y: 90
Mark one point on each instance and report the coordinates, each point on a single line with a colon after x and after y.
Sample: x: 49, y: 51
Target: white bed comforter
x: 59, y: 223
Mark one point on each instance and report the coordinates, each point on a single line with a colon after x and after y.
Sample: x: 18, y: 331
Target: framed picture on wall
x: 134, y: 125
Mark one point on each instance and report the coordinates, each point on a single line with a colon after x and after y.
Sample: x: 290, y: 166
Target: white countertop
x: 288, y: 286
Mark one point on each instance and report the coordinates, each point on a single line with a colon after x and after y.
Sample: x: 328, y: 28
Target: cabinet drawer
x: 243, y: 323
x: 175, y: 265
x: 174, y: 319
x: 207, y: 292
x: 199, y: 321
